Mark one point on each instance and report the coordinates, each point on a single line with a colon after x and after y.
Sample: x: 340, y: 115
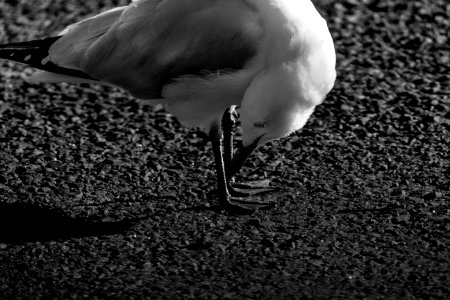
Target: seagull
x: 200, y: 59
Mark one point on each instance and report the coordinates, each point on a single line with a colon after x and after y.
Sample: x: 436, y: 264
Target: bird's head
x: 279, y: 101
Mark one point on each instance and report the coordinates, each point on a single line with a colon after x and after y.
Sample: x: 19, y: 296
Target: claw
x: 250, y: 188
x: 242, y: 206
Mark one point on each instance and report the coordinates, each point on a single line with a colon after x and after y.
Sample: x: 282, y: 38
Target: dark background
x: 101, y: 198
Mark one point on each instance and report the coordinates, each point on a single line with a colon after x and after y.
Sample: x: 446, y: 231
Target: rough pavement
x: 101, y: 198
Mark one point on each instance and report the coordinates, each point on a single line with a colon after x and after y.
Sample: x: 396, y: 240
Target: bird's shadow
x: 24, y: 222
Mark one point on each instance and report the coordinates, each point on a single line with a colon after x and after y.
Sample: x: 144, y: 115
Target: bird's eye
x: 260, y: 124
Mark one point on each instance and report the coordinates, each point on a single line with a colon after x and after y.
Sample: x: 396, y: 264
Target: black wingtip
x: 31, y: 53
x: 34, y: 54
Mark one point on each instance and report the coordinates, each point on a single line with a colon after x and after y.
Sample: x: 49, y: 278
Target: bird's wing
x: 69, y: 50
x: 60, y: 56
x: 147, y: 44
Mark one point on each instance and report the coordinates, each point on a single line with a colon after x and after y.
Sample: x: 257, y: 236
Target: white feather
x: 136, y: 47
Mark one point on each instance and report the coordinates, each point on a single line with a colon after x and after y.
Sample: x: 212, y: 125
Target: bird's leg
x: 234, y: 163
x: 228, y: 122
x: 225, y: 199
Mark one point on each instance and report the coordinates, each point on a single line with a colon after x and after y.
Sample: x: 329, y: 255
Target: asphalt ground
x: 102, y: 198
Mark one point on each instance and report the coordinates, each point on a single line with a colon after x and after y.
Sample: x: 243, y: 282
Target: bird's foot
x: 253, y: 188
x: 236, y: 199
x: 244, y: 206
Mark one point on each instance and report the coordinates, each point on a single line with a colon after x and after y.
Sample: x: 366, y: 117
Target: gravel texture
x: 101, y: 198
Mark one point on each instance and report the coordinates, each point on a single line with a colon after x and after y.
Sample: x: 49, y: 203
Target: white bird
x: 200, y: 59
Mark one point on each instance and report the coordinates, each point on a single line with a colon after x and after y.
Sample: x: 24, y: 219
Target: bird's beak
x: 241, y: 155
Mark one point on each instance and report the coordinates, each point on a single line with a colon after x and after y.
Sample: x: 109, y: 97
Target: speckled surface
x: 101, y: 198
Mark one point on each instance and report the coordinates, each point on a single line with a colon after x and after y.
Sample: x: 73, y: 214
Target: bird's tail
x: 35, y: 54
